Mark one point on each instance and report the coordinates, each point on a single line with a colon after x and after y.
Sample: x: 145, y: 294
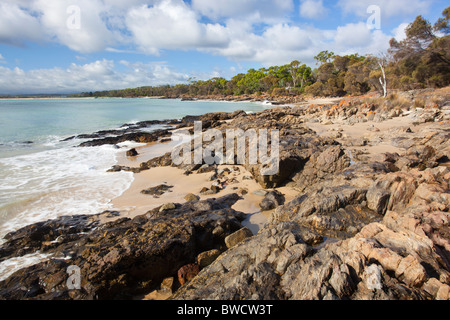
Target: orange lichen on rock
x: 344, y: 103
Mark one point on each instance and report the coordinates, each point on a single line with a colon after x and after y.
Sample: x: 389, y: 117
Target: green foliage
x: 442, y: 25
x: 316, y: 89
x: 423, y: 58
x: 324, y: 57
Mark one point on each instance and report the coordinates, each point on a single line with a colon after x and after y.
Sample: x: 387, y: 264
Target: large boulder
x: 272, y: 200
x: 322, y: 165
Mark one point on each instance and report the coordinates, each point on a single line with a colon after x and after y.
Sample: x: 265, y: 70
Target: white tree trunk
x: 383, y: 81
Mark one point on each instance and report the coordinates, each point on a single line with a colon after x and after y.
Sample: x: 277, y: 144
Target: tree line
x: 421, y: 60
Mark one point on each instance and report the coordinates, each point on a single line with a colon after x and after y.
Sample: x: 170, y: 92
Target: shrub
x: 315, y: 90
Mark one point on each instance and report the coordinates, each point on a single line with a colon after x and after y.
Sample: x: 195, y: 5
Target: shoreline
x: 351, y: 175
x: 132, y: 203
x: 274, y: 101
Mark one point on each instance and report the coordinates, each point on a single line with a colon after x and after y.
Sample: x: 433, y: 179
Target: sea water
x: 43, y: 177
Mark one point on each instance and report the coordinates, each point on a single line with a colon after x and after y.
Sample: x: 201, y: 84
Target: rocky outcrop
x: 122, y: 258
x: 336, y: 212
x: 322, y: 165
x: 377, y: 264
x: 398, y: 250
x: 140, y: 137
x: 361, y: 230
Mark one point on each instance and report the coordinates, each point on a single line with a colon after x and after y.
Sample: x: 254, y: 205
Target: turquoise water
x: 46, y: 121
x: 43, y: 178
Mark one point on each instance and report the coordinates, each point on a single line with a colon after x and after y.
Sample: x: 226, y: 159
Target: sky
x: 66, y: 46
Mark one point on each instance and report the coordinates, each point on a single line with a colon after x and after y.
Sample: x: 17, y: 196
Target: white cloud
x: 92, y: 34
x: 18, y: 25
x: 400, y: 32
x: 283, y: 43
x: 353, y: 35
x: 98, y: 75
x: 255, y: 10
x: 171, y: 24
x: 48, y: 20
x: 313, y: 9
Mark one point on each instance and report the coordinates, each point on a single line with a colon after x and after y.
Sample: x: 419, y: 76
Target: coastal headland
x: 359, y: 209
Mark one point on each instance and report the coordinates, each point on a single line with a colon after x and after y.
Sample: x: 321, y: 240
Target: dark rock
x: 206, y: 168
x: 323, y: 165
x: 191, y: 197
x: 158, y: 190
x: 33, y: 237
x: 204, y: 259
x: 140, y: 137
x: 162, y: 161
x: 118, y: 168
x: 272, y: 200
x: 187, y: 273
x: 335, y: 212
x: 122, y: 258
x: 132, y: 153
x: 204, y: 190
x: 237, y: 237
x: 378, y: 198
x: 215, y: 189
x: 167, y: 207
x: 115, y: 168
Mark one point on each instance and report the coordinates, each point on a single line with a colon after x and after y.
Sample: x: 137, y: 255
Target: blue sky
x: 63, y: 46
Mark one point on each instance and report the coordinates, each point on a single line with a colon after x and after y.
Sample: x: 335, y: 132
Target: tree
x: 442, y: 25
x: 305, y: 74
x: 383, y: 80
x: 356, y: 79
x: 381, y: 62
x: 423, y: 58
x: 324, y: 57
x: 294, y: 71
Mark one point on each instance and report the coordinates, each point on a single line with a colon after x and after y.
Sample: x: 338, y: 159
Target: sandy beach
x: 133, y: 203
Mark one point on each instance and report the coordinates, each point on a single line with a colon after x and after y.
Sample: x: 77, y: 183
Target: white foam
x: 8, y: 267
x: 50, y: 184
x: 131, y: 144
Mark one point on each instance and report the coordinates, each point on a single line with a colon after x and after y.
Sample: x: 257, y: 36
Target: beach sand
x: 133, y: 203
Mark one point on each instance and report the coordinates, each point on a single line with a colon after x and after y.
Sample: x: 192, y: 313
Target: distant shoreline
x: 75, y: 98
x: 272, y: 101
